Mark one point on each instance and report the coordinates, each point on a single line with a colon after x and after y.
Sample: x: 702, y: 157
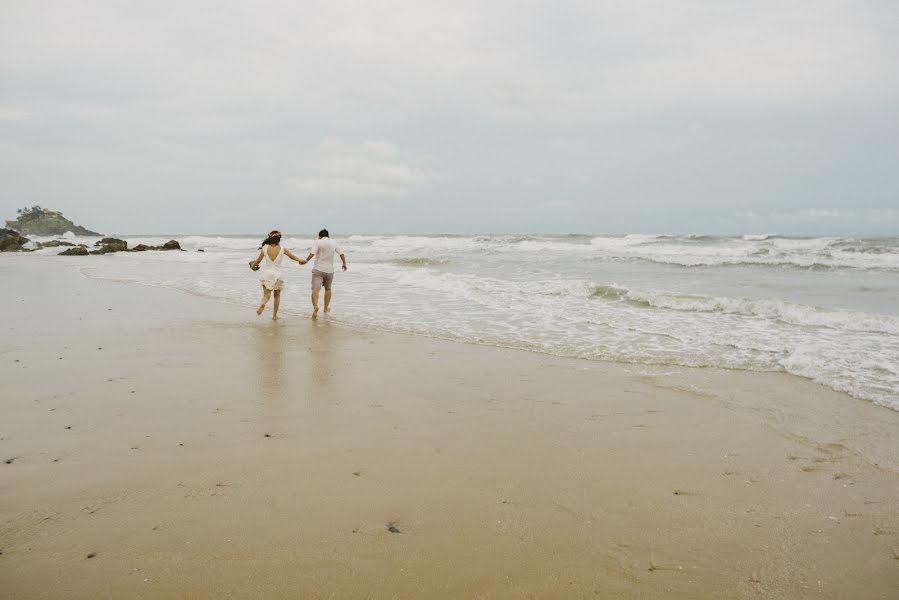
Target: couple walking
x: 271, y: 256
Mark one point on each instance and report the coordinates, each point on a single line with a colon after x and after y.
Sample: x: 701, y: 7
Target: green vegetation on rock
x: 35, y: 220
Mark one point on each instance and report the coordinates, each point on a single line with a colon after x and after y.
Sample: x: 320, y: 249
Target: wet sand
x: 161, y: 445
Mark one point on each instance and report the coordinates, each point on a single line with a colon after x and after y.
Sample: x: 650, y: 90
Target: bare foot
x: 260, y: 309
x: 274, y: 317
x: 315, y: 313
x: 327, y: 309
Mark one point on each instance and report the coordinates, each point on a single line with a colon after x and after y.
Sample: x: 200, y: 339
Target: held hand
x: 344, y: 268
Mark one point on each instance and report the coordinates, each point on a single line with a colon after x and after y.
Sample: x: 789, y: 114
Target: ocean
x: 823, y: 308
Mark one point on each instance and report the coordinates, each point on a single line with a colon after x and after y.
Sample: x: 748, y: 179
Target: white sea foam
x: 838, y: 326
x: 706, y: 251
x: 787, y: 312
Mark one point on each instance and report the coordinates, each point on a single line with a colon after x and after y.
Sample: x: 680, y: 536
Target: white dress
x: 271, y: 276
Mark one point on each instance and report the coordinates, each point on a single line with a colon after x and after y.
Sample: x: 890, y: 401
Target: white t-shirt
x: 324, y: 250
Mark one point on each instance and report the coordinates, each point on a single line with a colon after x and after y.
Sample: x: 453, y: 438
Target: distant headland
x: 36, y: 220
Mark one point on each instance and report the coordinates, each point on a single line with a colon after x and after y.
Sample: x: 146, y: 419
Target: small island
x: 44, y: 222
x: 36, y: 220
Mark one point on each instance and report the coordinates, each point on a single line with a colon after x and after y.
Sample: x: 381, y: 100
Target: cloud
x: 883, y: 215
x: 337, y: 169
x: 828, y: 217
x: 556, y: 205
x: 10, y: 113
x: 812, y: 215
x: 759, y: 106
x: 575, y: 63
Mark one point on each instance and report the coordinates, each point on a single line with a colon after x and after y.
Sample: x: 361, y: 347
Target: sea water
x: 824, y: 308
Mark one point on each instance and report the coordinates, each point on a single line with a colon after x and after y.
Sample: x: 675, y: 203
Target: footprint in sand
x: 653, y: 566
x: 886, y: 531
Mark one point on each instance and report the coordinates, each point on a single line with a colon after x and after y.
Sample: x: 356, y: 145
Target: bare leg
x: 327, y: 300
x: 266, y: 294
x: 315, y: 303
x: 275, y: 307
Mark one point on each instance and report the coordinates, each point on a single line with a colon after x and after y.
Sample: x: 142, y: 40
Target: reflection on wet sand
x: 270, y: 343
x: 321, y: 354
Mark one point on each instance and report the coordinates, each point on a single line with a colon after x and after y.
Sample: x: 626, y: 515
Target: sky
x: 715, y: 116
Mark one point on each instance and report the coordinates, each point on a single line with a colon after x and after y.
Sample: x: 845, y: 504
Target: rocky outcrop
x: 113, y: 242
x: 11, y: 241
x: 43, y: 221
x: 109, y: 245
x: 169, y: 245
x: 56, y: 244
x: 76, y: 251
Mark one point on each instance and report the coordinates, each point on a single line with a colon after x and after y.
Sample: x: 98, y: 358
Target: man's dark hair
x: 323, y: 233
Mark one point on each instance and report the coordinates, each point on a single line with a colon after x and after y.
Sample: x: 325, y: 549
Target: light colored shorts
x: 320, y: 279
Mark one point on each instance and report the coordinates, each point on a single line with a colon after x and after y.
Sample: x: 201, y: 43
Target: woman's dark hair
x: 273, y: 239
x: 323, y: 233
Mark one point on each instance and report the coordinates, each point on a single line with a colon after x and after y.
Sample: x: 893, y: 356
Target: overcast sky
x: 713, y: 116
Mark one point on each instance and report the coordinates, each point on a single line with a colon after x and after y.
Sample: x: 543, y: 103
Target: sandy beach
x: 163, y: 445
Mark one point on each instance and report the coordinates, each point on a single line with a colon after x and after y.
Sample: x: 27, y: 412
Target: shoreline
x: 821, y: 309
x: 211, y: 454
x: 508, y: 346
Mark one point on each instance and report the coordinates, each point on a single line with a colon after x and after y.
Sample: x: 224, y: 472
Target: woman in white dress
x: 271, y: 255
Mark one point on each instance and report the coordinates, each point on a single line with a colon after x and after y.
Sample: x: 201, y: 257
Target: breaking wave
x: 786, y: 312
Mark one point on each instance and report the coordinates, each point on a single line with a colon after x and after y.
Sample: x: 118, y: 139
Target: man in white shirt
x: 323, y: 249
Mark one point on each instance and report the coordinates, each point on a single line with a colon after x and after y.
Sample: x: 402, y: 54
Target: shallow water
x: 823, y: 308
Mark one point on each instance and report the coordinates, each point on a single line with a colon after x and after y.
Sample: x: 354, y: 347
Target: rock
x: 169, y: 245
x: 200, y: 250
x: 11, y: 241
x: 108, y: 245
x: 56, y: 243
x: 116, y: 242
x: 76, y: 251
